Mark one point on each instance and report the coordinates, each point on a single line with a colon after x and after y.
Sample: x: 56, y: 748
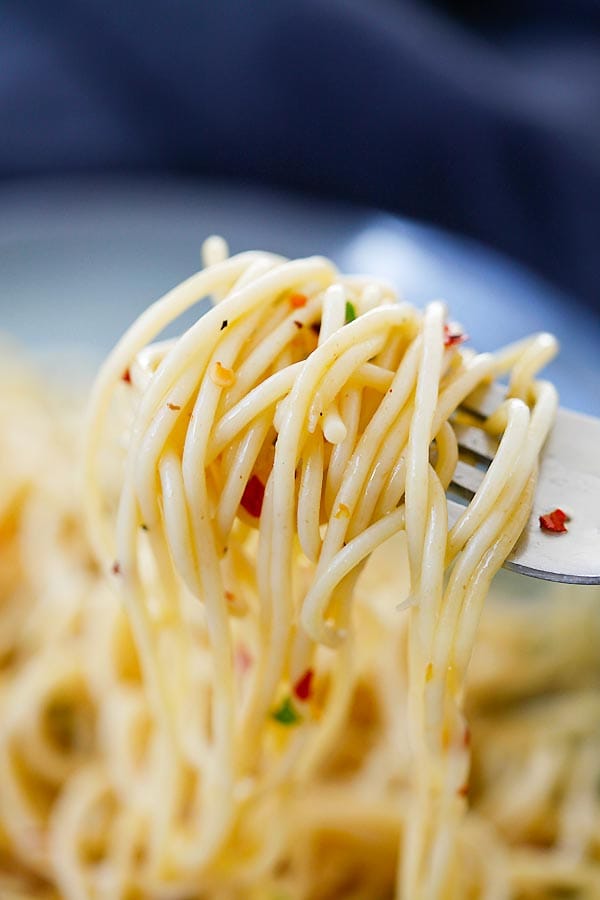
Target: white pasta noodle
x: 278, y: 709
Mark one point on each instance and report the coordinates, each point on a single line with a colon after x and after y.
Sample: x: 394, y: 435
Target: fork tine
x: 477, y: 441
x: 467, y: 477
x: 569, y: 476
x: 485, y: 400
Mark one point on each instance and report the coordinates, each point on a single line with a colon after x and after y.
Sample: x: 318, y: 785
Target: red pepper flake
x: 297, y: 301
x: 453, y: 335
x: 116, y: 568
x: 243, y: 659
x: 173, y: 406
x: 297, y: 323
x: 554, y: 521
x: 303, y: 688
x: 126, y: 376
x: 467, y: 737
x: 463, y: 791
x: 253, y: 496
x: 229, y: 596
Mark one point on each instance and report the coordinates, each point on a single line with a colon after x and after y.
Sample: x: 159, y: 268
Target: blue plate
x: 80, y: 259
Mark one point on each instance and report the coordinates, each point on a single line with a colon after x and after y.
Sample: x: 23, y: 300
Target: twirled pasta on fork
x: 266, y: 453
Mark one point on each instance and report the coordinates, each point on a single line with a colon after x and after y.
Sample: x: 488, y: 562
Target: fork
x: 569, y: 478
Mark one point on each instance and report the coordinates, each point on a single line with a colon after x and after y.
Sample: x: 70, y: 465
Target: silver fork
x: 569, y: 479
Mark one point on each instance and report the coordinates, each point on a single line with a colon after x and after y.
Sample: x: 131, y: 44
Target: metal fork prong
x: 485, y: 400
x: 467, y: 477
x: 476, y: 441
x: 569, y: 478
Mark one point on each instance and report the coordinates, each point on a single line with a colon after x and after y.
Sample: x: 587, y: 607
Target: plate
x: 81, y: 258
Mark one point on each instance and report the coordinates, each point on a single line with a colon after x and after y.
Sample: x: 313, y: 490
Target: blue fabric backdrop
x: 482, y: 117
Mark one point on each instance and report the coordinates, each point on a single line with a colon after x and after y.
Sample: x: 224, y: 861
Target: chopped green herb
x: 285, y: 713
x: 350, y: 312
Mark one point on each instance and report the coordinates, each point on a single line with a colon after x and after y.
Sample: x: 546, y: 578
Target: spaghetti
x: 264, y: 720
